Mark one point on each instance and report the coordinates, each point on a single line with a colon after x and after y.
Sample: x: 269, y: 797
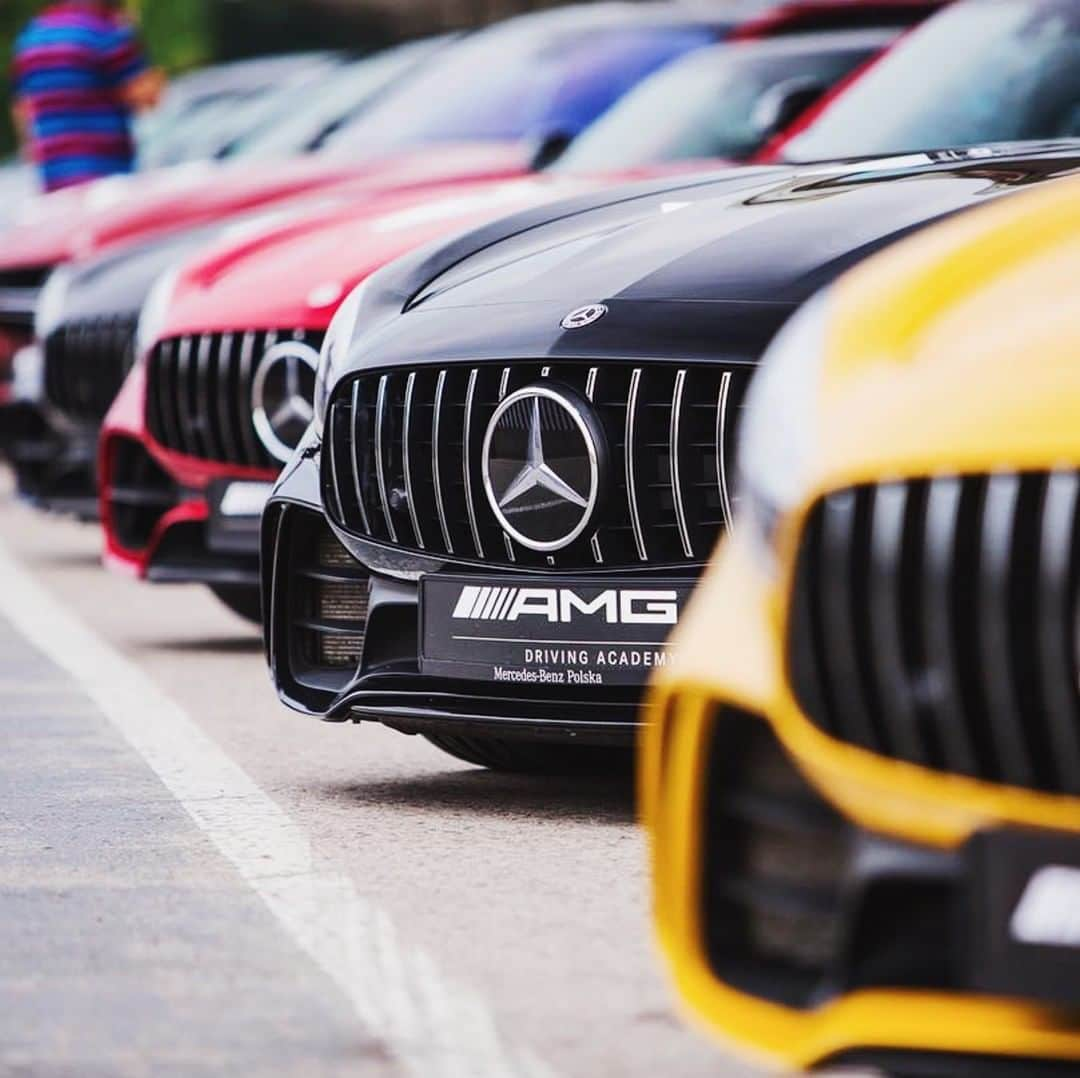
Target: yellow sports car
x: 862, y: 777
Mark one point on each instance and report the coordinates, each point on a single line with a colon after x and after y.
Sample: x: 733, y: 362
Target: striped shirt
x: 71, y: 65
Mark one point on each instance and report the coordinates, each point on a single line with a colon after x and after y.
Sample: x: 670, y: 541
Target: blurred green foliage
x: 179, y: 35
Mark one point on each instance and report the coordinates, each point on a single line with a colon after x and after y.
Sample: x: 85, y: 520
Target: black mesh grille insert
x: 85, y: 365
x: 328, y: 596
x: 403, y: 459
x: 199, y: 394
x: 934, y: 621
x: 776, y: 858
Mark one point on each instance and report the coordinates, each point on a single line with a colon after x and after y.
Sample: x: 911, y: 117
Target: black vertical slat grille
x: 86, y: 363
x: 934, y: 621
x: 403, y: 459
x: 199, y: 394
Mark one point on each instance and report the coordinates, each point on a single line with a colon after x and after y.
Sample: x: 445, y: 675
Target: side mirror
x: 784, y: 103
x: 549, y: 147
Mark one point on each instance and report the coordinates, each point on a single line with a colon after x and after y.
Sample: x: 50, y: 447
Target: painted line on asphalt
x: 434, y: 1026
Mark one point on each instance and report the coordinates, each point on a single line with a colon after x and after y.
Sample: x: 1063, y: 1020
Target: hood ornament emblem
x: 536, y: 472
x: 584, y: 316
x: 281, y: 397
x: 542, y: 462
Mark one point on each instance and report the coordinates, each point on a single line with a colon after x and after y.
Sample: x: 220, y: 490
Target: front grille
x: 86, y: 363
x: 402, y: 460
x: 199, y: 394
x: 934, y: 621
x: 775, y: 865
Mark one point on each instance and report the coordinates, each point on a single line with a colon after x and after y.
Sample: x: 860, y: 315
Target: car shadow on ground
x: 591, y: 798
x: 241, y: 644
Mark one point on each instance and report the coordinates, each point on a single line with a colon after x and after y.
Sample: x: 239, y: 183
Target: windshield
x: 518, y: 80
x: 1015, y: 76
x: 330, y: 103
x: 714, y: 103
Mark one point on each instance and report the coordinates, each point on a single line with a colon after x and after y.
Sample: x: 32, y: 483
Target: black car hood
x: 775, y: 241
x: 115, y: 285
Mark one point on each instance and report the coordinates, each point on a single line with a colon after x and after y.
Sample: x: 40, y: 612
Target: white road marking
x: 433, y: 1026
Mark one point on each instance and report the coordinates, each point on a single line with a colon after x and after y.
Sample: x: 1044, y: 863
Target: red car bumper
x: 160, y: 508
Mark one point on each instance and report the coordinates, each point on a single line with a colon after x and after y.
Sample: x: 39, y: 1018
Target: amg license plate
x: 525, y: 631
x: 1025, y: 897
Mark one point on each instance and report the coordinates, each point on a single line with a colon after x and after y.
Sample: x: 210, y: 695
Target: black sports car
x: 523, y: 451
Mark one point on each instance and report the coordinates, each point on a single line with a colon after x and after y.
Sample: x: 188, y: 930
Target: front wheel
x: 244, y: 601
x: 533, y: 757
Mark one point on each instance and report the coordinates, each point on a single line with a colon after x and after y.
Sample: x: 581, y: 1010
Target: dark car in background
x: 574, y: 63
x: 1015, y: 76
x: 523, y: 450
x: 720, y: 101
x: 193, y: 460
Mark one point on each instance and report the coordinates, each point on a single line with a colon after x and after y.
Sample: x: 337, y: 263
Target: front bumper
x: 343, y: 643
x: 817, y: 904
x: 54, y: 465
x: 160, y: 510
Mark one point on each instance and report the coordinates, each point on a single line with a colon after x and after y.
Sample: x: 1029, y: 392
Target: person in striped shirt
x: 79, y: 75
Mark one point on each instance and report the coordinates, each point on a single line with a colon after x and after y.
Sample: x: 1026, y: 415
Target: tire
x: 246, y: 602
x: 522, y: 756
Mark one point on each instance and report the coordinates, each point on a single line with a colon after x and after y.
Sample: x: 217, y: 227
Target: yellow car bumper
x: 731, y: 664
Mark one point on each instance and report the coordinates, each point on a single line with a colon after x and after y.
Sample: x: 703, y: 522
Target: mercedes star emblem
x: 584, y: 316
x: 282, y: 395
x: 542, y: 457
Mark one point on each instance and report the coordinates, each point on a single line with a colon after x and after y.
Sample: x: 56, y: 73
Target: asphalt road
x: 194, y: 880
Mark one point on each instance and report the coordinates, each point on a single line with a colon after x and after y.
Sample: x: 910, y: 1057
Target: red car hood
x: 73, y: 224
x: 295, y: 274
x: 239, y: 284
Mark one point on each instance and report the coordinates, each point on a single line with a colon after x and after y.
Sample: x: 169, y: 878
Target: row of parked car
x: 443, y: 366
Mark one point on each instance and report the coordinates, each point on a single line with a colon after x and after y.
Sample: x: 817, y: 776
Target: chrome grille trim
x: 227, y: 404
x: 466, y: 462
x: 436, y: 430
x: 354, y: 457
x: 721, y: 443
x: 631, y: 482
x: 380, y: 457
x: 406, y: 430
x: 247, y: 375
x: 675, y: 440
x: 202, y: 389
x: 188, y: 440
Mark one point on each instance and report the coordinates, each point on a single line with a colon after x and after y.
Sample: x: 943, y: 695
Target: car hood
x: 59, y: 227
x: 699, y: 268
x: 775, y: 241
x: 237, y: 283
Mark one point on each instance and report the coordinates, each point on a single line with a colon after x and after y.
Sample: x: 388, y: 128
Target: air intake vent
x: 403, y: 460
x: 775, y: 870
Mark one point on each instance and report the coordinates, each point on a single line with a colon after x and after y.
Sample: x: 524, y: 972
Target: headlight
x: 49, y: 313
x: 154, y: 311
x: 780, y: 425
x: 335, y: 349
